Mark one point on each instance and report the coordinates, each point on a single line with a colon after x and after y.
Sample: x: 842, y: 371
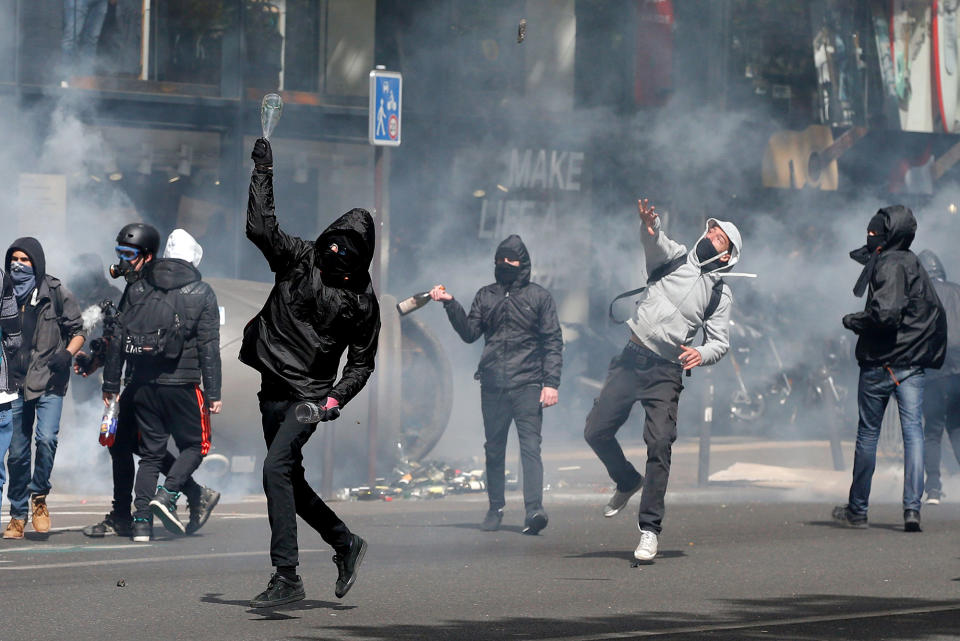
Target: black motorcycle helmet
x: 932, y: 264
x: 143, y: 236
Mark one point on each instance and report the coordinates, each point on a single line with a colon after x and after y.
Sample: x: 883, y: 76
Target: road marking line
x: 632, y: 634
x: 68, y: 548
x: 153, y: 559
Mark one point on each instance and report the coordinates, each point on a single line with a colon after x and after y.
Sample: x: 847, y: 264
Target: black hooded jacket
x: 200, y: 359
x: 949, y: 294
x: 311, y: 318
x: 522, y: 338
x: 903, y: 323
x: 49, y: 319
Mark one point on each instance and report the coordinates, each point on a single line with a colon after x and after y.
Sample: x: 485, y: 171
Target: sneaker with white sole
x: 620, y: 499
x: 164, y: 507
x: 647, y: 549
x: 934, y: 497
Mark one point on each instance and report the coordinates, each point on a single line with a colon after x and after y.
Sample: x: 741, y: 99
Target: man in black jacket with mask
x: 941, y: 395
x: 519, y: 372
x: 164, y: 387
x: 902, y: 332
x: 322, y: 304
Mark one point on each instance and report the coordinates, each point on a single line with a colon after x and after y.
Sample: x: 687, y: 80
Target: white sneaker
x: 647, y: 549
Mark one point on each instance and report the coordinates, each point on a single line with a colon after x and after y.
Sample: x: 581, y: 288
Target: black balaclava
x: 505, y: 273
x: 341, y: 259
x: 877, y: 224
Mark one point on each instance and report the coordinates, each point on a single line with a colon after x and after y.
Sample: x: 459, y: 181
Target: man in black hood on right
x: 902, y: 332
x: 322, y: 304
x: 519, y: 372
x: 941, y: 396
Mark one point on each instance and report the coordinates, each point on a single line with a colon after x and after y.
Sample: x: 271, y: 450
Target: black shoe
x: 142, y: 530
x: 620, y: 499
x: 280, y: 590
x: 535, y: 522
x: 348, y: 565
x: 164, y: 507
x: 201, y: 509
x: 842, y: 515
x: 911, y: 521
x: 491, y: 522
x: 111, y: 524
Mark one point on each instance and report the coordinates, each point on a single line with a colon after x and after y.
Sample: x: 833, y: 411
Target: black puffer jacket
x: 200, y: 358
x: 949, y: 294
x: 522, y: 338
x: 297, y: 339
x: 903, y: 323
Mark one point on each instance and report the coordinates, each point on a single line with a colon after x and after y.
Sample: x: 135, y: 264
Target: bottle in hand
x: 413, y: 303
x: 108, y: 425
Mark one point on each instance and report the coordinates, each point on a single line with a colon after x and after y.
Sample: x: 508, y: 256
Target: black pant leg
x: 125, y: 445
x: 610, y: 411
x: 497, y: 410
x: 660, y: 397
x: 149, y: 411
x: 184, y: 417
x: 317, y: 514
x: 528, y: 416
x: 935, y: 422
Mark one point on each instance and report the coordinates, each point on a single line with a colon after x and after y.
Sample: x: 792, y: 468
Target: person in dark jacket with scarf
x: 52, y: 334
x: 519, y: 372
x: 902, y: 332
x: 941, y: 393
x: 10, y: 340
x: 164, y: 391
x: 322, y: 304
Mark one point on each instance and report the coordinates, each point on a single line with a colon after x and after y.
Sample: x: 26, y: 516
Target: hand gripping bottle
x: 108, y: 426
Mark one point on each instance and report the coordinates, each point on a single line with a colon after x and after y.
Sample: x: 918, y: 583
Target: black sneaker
x: 911, y: 521
x: 111, y: 524
x: 280, y: 590
x: 491, y: 522
x: 348, y: 565
x: 164, y: 507
x: 142, y: 530
x: 201, y: 509
x: 842, y: 515
x: 535, y: 522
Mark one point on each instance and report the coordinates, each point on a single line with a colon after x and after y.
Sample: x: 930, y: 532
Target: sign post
x: 386, y: 99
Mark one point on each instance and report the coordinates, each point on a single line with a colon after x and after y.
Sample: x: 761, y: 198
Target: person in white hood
x: 684, y: 294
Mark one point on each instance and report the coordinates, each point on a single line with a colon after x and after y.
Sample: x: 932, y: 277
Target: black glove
x: 60, y: 361
x: 262, y: 154
x: 331, y: 414
x: 848, y: 322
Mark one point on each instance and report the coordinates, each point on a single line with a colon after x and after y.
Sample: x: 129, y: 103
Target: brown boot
x: 14, y: 529
x: 41, y: 515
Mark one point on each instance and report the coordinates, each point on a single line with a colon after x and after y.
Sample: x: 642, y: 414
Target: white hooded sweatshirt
x: 670, y: 311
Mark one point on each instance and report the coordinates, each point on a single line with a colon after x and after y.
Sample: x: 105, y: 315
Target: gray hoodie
x: 670, y: 311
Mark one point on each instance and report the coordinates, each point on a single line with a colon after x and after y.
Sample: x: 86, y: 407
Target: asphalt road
x: 725, y: 571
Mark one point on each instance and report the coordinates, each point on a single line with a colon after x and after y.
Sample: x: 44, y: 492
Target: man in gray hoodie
x: 684, y: 294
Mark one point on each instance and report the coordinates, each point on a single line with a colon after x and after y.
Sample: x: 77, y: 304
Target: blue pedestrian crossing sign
x: 386, y: 95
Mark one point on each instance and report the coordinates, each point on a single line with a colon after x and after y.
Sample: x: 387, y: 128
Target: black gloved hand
x: 331, y: 414
x: 60, y: 361
x: 262, y: 153
x: 848, y: 322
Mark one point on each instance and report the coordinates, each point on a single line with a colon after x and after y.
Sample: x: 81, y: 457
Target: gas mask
x: 125, y: 267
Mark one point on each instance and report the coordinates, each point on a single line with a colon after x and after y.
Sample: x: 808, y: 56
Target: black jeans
x: 941, y: 411
x: 287, y: 490
x: 638, y: 375
x: 499, y: 408
x: 125, y: 445
x: 162, y: 411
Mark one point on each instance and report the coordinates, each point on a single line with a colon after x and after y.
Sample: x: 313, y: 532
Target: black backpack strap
x: 714, y: 303
x: 657, y: 274
x: 632, y: 292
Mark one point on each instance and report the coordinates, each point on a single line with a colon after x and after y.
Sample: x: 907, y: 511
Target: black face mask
x: 705, y: 252
x: 505, y: 273
x: 340, y: 261
x: 874, y: 243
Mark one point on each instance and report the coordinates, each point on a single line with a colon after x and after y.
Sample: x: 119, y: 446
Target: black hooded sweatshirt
x: 49, y: 319
x: 903, y: 323
x: 949, y: 294
x: 311, y: 318
x: 200, y: 359
x: 518, y: 321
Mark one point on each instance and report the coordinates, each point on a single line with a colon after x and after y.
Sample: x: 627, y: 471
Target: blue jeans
x: 876, y: 386
x: 46, y: 410
x: 6, y: 431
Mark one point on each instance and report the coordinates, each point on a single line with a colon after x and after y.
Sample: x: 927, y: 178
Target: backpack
x: 658, y: 274
x: 153, y: 325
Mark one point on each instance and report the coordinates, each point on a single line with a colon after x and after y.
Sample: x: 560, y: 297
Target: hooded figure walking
x: 901, y: 332
x: 322, y: 304
x: 684, y: 293
x: 519, y: 372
